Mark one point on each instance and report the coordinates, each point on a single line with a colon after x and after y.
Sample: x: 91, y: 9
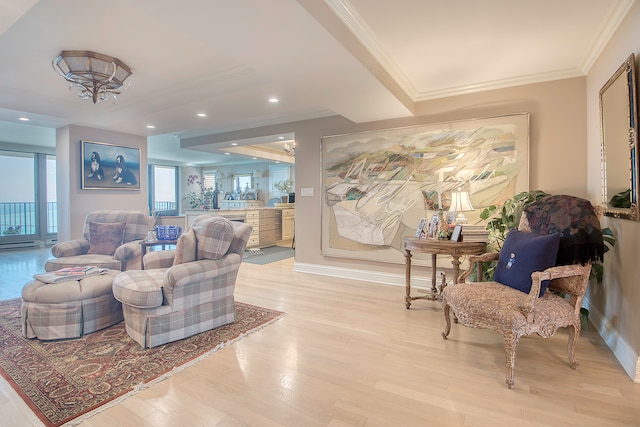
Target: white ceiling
x: 362, y: 59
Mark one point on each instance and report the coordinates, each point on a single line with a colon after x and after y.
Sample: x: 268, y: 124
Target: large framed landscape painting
x: 377, y: 185
x: 110, y: 166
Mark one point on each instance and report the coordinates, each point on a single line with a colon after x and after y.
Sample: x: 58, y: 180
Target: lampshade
x: 460, y: 202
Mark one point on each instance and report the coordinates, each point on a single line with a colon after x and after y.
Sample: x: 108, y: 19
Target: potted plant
x: 203, y: 199
x: 284, y: 187
x: 12, y: 230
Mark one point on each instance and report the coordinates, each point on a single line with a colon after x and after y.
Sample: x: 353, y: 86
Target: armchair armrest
x: 128, y: 251
x: 475, y: 262
x: 159, y: 259
x: 70, y: 248
x: 577, y: 274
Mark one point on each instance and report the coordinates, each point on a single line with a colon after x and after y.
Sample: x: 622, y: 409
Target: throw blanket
x: 575, y: 220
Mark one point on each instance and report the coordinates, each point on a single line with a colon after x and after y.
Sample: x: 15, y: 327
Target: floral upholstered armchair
x: 556, y: 241
x: 110, y: 239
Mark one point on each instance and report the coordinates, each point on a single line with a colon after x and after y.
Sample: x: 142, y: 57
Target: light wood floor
x: 349, y: 354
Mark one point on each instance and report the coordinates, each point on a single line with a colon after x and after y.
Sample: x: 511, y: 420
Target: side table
x: 145, y: 244
x: 435, y: 247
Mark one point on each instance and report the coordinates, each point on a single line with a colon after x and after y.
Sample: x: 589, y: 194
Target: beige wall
x: 557, y: 155
x: 614, y: 303
x: 69, y: 170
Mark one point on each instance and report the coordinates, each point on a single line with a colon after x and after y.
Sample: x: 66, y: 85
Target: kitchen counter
x: 266, y: 222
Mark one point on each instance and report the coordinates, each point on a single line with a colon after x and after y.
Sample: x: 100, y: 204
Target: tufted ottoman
x: 69, y: 309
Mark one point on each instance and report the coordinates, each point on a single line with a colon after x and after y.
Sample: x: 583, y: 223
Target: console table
x: 435, y: 247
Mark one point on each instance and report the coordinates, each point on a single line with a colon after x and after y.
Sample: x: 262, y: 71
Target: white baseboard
x: 366, y: 275
x: 628, y: 359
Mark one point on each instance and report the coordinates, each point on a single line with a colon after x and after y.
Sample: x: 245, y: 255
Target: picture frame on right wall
x: 376, y: 185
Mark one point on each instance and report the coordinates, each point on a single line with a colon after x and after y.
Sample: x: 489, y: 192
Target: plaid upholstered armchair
x: 554, y: 246
x: 109, y: 240
x: 188, y: 290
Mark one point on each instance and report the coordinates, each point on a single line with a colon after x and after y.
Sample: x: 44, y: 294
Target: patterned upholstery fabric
x: 105, y: 238
x: 166, y: 305
x: 213, y: 237
x: 186, y: 247
x: 514, y: 313
x: 75, y: 252
x: 69, y: 309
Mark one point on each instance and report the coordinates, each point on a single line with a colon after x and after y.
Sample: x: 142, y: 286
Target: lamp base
x: 461, y: 219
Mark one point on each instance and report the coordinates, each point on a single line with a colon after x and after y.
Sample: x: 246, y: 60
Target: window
x: 242, y: 182
x: 209, y: 180
x: 163, y: 193
x: 28, y: 209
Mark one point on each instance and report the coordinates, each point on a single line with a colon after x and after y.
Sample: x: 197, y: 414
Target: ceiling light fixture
x: 96, y: 76
x: 24, y: 119
x: 274, y: 100
x: 290, y: 149
x: 201, y: 115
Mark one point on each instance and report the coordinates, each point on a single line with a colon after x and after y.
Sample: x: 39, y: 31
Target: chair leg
x: 510, y: 346
x: 446, y: 309
x: 574, y: 333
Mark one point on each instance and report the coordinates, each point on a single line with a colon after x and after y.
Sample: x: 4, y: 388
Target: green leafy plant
x: 194, y: 199
x: 284, y: 187
x: 507, y: 217
x: 597, y: 269
x: 12, y: 230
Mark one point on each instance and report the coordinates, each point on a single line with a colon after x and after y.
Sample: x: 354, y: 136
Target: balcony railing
x: 165, y: 208
x: 19, y: 218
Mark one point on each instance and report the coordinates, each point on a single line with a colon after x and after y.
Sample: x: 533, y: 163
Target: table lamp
x: 460, y: 202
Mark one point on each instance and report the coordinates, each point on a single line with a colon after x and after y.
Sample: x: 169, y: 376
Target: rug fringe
x: 140, y: 387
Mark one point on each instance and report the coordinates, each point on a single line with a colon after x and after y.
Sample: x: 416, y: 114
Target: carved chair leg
x: 574, y: 333
x: 510, y: 346
x: 446, y: 309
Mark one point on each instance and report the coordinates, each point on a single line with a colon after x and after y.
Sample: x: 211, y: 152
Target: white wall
x: 614, y: 303
x: 69, y: 171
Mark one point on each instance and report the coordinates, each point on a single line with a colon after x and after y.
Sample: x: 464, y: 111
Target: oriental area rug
x: 66, y: 381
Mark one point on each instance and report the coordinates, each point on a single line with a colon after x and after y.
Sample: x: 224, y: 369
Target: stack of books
x: 474, y: 233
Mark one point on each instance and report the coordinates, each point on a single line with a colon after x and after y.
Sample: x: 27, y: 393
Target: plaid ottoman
x: 69, y: 309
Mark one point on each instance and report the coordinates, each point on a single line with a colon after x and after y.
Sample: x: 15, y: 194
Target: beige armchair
x: 187, y: 290
x: 110, y: 239
x: 515, y: 311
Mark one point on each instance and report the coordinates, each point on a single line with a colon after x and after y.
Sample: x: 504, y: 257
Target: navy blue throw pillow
x: 522, y: 254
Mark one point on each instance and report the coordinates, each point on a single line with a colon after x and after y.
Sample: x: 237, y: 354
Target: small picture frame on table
x: 455, y: 236
x: 420, y: 231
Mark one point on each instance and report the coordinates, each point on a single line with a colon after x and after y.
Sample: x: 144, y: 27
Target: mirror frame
x: 628, y: 71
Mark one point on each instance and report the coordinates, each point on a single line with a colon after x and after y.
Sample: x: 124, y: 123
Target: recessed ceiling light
x: 227, y: 154
x: 151, y: 127
x: 24, y: 119
x: 254, y: 158
x: 202, y: 115
x: 281, y: 137
x: 274, y: 100
x: 234, y: 143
